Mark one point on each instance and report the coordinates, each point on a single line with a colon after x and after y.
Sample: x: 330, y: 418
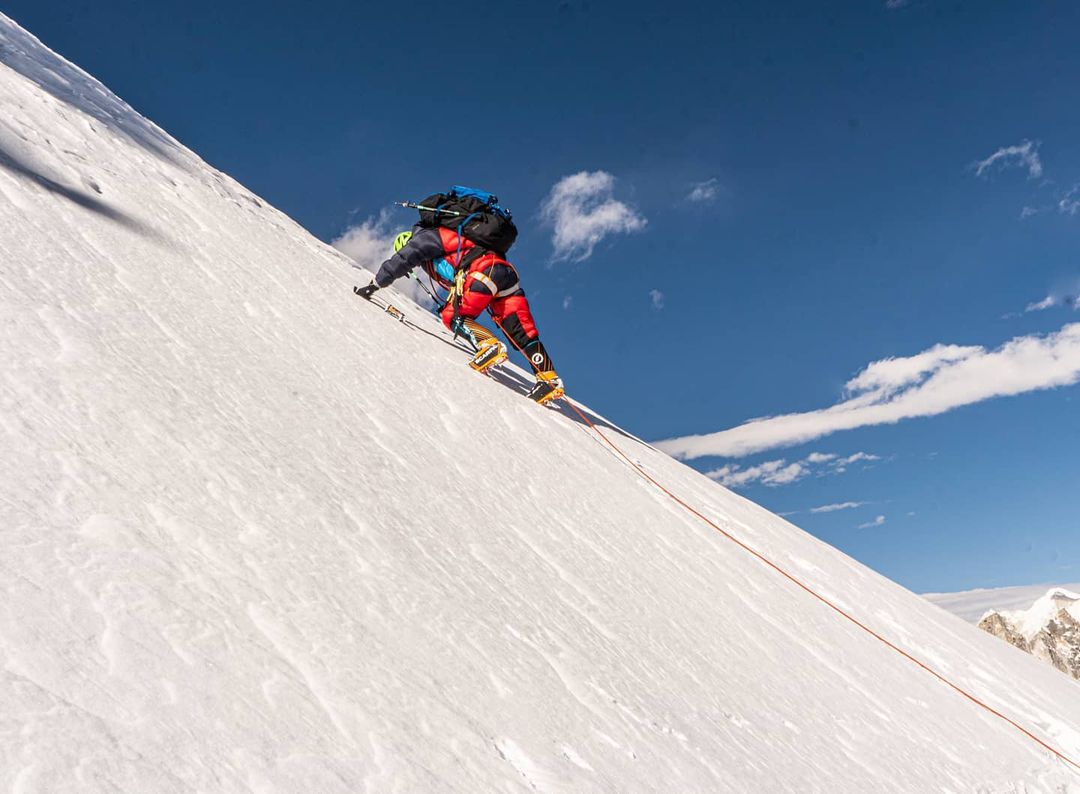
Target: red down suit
x: 490, y: 283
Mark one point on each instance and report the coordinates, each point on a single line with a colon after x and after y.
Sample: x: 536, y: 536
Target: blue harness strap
x: 461, y: 236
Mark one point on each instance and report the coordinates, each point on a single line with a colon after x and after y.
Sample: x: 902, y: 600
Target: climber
x: 460, y: 243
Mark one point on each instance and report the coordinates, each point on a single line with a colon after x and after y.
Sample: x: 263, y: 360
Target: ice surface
x: 258, y: 537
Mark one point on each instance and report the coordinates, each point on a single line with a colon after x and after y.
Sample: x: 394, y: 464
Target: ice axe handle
x: 412, y: 205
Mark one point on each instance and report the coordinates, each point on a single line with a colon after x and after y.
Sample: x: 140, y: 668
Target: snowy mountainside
x: 1049, y: 629
x: 259, y: 537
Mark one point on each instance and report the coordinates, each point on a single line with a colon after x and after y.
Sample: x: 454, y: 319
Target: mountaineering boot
x: 548, y: 387
x: 492, y: 352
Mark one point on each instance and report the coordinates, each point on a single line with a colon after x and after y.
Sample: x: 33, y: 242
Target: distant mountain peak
x: 1049, y: 629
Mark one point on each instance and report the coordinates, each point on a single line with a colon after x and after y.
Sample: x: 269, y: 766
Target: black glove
x: 366, y: 292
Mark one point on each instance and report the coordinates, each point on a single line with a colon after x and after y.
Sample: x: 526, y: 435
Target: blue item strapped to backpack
x: 490, y: 199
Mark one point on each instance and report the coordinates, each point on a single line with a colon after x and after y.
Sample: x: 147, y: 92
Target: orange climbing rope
x: 801, y: 584
x: 795, y: 580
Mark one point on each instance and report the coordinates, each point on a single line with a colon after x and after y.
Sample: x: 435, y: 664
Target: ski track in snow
x: 258, y: 537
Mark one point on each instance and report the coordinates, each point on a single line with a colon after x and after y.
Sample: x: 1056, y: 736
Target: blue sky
x: 779, y: 196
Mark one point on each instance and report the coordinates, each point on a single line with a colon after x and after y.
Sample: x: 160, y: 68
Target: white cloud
x: 1042, y: 305
x: 858, y: 456
x: 1027, y: 212
x: 877, y: 522
x: 771, y: 472
x: 582, y: 211
x: 371, y: 243
x: 705, y: 191
x: 1070, y: 202
x: 837, y: 506
x: 933, y: 382
x: 657, y: 298
x: 1022, y: 155
x: 890, y: 374
x: 568, y: 301
x: 779, y: 472
x: 1053, y: 300
x: 841, y: 464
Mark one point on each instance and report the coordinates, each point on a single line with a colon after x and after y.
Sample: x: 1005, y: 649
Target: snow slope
x: 257, y: 536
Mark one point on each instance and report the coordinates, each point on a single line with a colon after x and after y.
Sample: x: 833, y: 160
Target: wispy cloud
x: 704, y: 192
x: 833, y: 508
x: 1070, y: 298
x: 895, y: 3
x: 1025, y: 155
x: 779, y: 472
x: 877, y: 522
x: 369, y: 243
x: 568, y: 301
x: 840, y: 464
x: 771, y: 472
x: 1053, y: 300
x: 1070, y: 202
x: 582, y: 211
x: 933, y: 382
x: 656, y: 297
x: 1022, y: 155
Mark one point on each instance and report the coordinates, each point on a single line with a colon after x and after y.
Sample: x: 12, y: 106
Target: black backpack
x: 474, y: 214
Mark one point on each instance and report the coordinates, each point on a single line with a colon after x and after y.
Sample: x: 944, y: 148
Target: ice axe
x: 412, y: 205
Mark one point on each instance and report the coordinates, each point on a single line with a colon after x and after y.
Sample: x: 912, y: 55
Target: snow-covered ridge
x: 1049, y: 629
x: 254, y: 541
x: 972, y: 605
x: 1034, y: 619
